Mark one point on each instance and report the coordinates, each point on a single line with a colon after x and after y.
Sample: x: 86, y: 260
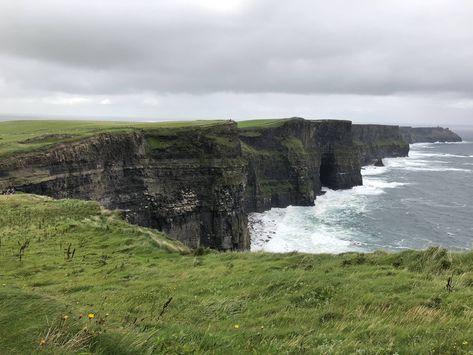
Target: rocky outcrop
x: 187, y: 182
x: 378, y: 141
x: 199, y: 182
x: 429, y: 135
x: 288, y: 163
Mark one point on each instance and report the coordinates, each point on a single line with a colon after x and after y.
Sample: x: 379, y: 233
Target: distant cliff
x: 429, y: 135
x: 379, y: 141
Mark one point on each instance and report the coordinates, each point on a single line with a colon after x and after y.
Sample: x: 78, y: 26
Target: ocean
x: 423, y: 200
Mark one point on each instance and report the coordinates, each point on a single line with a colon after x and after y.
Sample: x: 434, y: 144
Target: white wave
x: 382, y: 184
x: 371, y: 170
x: 326, y: 227
x: 435, y: 169
x: 462, y: 142
x: 412, y: 163
x: 424, y: 145
x: 290, y: 236
x: 401, y: 163
x: 415, y: 153
x: 306, y: 229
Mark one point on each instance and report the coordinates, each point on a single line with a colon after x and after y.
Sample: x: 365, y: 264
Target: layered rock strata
x: 198, y: 183
x: 429, y: 135
x: 189, y: 183
x: 378, y: 141
x: 288, y: 163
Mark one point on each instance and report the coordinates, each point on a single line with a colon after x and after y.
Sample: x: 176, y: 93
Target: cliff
x: 188, y: 182
x: 379, y: 141
x: 195, y: 181
x: 429, y: 135
x: 289, y: 161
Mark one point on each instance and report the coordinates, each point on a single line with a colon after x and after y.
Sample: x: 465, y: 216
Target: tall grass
x: 226, y: 303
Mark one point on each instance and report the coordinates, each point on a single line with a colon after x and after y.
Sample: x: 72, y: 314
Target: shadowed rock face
x: 188, y: 183
x: 379, y: 141
x: 198, y: 184
x: 287, y: 165
x: 429, y: 135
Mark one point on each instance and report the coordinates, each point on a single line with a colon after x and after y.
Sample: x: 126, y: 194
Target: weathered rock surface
x: 429, y: 135
x: 288, y: 164
x: 375, y: 142
x: 198, y: 183
x: 379, y: 162
x: 188, y: 183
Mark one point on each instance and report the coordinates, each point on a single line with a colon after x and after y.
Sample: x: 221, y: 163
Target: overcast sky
x: 380, y: 61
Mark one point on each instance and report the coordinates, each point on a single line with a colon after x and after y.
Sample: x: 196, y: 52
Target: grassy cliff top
x: 25, y: 136
x: 262, y: 123
x: 278, y: 122
x: 129, y: 290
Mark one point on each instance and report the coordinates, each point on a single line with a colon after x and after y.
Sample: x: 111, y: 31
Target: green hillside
x: 146, y: 294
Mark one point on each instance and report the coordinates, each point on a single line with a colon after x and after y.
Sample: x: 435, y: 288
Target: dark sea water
x: 415, y: 202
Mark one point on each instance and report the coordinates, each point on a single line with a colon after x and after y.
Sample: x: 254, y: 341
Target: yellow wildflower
x: 42, y: 342
x: 65, y: 317
x: 465, y: 343
x: 236, y: 326
x: 91, y: 315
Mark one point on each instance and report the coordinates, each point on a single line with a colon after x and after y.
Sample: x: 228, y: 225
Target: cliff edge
x: 429, y: 135
x: 188, y: 182
x: 379, y: 141
x: 196, y: 181
x: 290, y: 160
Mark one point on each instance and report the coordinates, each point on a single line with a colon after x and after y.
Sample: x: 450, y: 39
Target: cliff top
x: 278, y: 122
x: 263, y: 123
x: 25, y: 136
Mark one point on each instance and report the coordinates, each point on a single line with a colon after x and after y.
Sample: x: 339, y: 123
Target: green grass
x: 25, y: 136
x: 262, y: 123
x: 224, y: 303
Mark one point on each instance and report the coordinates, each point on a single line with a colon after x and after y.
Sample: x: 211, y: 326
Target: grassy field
x: 24, y: 136
x: 129, y: 290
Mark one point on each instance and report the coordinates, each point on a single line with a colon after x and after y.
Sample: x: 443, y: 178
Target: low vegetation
x: 262, y: 123
x: 25, y: 136
x: 88, y: 282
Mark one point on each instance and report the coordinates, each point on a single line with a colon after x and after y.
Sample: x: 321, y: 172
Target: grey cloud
x: 177, y: 48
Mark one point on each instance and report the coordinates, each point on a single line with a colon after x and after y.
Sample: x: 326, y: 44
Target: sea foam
x: 326, y: 227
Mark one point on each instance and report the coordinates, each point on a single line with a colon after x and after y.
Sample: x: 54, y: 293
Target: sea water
x: 423, y: 200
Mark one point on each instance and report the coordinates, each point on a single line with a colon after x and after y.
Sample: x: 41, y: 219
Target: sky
x: 369, y: 61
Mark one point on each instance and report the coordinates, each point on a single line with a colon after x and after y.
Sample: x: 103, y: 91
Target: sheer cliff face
x: 198, y: 183
x: 429, y: 135
x: 288, y: 164
x: 340, y: 166
x: 379, y: 141
x: 188, y: 182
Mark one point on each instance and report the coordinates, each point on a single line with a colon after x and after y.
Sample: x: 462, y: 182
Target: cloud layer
x: 390, y: 60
